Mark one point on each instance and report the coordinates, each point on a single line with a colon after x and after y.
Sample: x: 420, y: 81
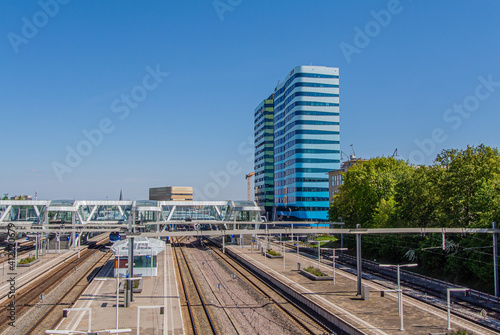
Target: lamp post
x: 297, y: 249
x: 3, y: 266
x: 333, y: 259
x: 129, y: 289
x: 400, y: 305
x: 448, y: 305
x: 400, y: 293
x: 283, y: 255
x: 15, y: 255
x: 298, y: 245
x: 319, y: 252
x: 162, y: 311
x: 265, y: 249
x: 117, y: 294
x: 36, y: 244
x: 89, y: 310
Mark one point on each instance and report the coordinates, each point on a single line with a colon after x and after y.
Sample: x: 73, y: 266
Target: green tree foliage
x: 417, y: 198
x: 470, y: 187
x: 367, y: 195
x: 461, y: 189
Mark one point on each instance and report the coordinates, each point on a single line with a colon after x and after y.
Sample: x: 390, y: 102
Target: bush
x: 136, y: 284
x: 273, y: 253
x: 315, y: 271
x: 459, y: 332
x: 27, y: 260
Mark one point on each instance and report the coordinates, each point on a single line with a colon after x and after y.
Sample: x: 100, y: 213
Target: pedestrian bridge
x: 142, y: 212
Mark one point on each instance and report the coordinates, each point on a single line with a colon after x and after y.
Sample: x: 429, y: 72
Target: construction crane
x: 353, y: 153
x: 248, y: 177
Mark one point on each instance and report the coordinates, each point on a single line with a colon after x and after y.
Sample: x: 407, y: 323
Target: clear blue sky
x: 63, y: 78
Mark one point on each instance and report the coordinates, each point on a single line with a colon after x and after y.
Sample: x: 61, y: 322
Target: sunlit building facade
x: 306, y: 142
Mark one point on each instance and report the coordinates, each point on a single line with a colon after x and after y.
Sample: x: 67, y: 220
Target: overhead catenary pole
x: 130, y: 268
x: 495, y: 260
x: 319, y: 255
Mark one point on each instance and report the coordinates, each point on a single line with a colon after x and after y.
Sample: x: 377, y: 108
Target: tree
x: 368, y: 189
x: 417, y: 198
x: 470, y: 187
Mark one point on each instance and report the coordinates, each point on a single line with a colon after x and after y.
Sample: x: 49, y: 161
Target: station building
x: 146, y: 252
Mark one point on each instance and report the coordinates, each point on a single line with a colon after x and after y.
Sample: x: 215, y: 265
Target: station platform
x: 100, y: 297
x: 24, y: 274
x: 377, y: 315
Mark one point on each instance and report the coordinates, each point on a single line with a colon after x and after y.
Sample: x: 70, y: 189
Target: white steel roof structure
x: 122, y: 211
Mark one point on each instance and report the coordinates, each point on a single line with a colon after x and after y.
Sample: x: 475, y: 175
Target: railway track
x: 53, y: 315
x: 293, y: 312
x: 199, y: 316
x: 29, y: 293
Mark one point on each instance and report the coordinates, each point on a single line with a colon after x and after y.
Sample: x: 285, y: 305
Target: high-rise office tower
x: 306, y: 141
x: 264, y: 154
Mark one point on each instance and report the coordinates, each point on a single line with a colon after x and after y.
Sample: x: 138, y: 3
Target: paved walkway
x: 377, y: 315
x: 100, y: 296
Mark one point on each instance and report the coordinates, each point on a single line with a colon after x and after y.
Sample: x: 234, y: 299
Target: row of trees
x: 460, y: 189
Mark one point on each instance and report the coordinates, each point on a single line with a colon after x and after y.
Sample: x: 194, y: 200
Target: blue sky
x: 195, y: 127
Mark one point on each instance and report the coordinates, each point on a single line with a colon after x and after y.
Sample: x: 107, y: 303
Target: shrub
x: 136, y: 284
x: 273, y: 253
x: 315, y: 271
x: 27, y: 260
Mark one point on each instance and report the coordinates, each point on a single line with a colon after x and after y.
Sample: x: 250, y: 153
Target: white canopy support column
x: 4, y: 215
x: 92, y: 212
x: 171, y: 212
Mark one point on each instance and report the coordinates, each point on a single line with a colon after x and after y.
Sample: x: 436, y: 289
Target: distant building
x: 171, y: 193
x: 335, y: 178
x: 21, y: 197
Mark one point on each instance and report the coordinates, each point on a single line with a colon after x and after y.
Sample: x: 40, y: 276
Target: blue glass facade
x: 306, y: 141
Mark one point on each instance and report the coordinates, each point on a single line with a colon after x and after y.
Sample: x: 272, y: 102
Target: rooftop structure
x: 171, y: 193
x: 335, y: 177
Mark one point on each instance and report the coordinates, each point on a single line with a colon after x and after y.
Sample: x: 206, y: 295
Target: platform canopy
x: 143, y: 246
